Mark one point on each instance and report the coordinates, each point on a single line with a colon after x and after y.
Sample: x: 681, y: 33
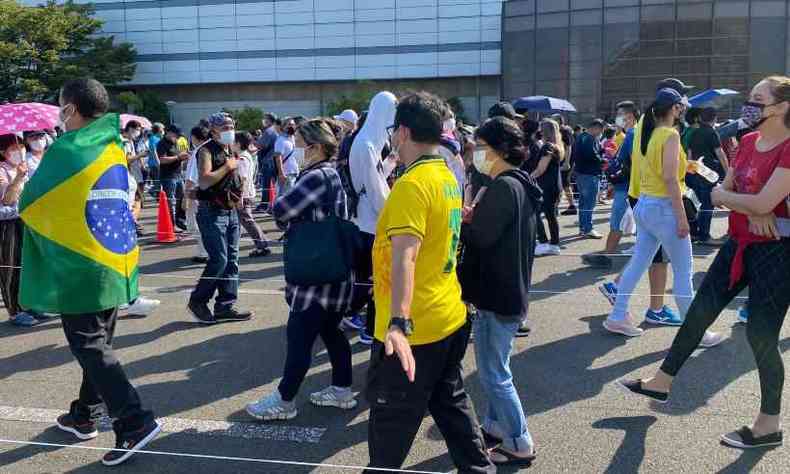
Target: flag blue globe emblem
x: 107, y: 211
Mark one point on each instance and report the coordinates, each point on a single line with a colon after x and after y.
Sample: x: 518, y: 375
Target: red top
x: 752, y: 170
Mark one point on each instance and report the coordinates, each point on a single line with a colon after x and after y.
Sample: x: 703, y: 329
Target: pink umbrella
x: 27, y: 117
x: 126, y: 118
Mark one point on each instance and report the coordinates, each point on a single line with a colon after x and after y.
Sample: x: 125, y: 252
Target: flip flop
x: 500, y: 457
x: 744, y: 439
x: 490, y: 440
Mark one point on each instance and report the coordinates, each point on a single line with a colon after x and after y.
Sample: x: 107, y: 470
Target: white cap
x: 348, y: 115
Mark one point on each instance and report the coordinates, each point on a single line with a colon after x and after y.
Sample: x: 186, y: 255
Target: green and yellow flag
x: 79, y: 253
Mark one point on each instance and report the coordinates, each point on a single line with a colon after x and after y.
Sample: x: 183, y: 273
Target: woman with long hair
x: 757, y: 256
x: 315, y: 310
x: 547, y: 174
x: 660, y: 215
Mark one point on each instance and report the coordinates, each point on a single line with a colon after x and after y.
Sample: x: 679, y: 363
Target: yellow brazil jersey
x: 619, y: 139
x: 425, y: 202
x: 635, y: 181
x: 182, y: 144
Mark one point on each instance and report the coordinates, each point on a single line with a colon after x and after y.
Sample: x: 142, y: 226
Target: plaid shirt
x: 307, y: 200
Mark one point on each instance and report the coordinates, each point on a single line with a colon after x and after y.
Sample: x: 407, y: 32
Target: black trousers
x: 10, y: 261
x: 398, y: 406
x: 103, y: 379
x: 549, y: 209
x: 303, y: 329
x: 363, y: 293
x: 767, y: 274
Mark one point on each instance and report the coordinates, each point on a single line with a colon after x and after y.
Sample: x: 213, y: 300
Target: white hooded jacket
x: 368, y: 173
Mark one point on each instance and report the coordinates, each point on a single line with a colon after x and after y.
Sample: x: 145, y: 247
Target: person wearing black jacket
x: 587, y: 162
x: 499, y: 239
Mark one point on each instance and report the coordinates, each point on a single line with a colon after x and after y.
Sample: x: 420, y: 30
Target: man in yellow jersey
x: 421, y: 325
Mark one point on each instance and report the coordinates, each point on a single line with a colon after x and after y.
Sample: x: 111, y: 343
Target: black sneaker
x: 523, y: 330
x: 260, y: 253
x: 200, y: 259
x: 232, y: 314
x: 83, y: 430
x: 571, y: 211
x: 201, y: 313
x: 129, y: 443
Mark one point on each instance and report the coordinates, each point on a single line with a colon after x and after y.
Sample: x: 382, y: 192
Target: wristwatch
x: 405, y: 325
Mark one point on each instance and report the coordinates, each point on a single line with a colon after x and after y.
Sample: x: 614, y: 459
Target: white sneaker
x: 542, y: 249
x: 626, y: 328
x: 593, y: 234
x: 627, y: 251
x: 142, y: 306
x: 272, y: 407
x: 554, y: 250
x: 334, y: 397
x: 711, y: 339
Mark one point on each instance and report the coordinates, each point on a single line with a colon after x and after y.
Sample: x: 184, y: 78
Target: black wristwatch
x: 405, y: 325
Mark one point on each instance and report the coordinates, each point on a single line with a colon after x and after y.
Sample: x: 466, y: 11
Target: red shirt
x: 753, y: 168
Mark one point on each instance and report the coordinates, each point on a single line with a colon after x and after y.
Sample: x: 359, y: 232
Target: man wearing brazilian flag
x: 79, y: 259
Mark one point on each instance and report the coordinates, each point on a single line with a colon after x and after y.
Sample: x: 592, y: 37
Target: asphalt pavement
x: 198, y: 380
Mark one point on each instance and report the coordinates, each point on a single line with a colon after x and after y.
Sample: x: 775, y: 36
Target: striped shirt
x: 317, y: 190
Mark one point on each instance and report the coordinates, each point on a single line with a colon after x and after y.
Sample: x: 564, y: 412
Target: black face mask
x: 290, y: 130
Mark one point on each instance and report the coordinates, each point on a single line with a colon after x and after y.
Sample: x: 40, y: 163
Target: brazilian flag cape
x: 79, y: 253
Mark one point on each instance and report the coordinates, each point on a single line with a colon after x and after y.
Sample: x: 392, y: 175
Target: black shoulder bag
x: 321, y: 252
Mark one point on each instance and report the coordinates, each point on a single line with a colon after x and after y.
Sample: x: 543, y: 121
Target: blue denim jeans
x: 505, y: 417
x: 657, y: 226
x: 169, y: 187
x: 219, y: 230
x: 588, y: 198
x: 619, y: 207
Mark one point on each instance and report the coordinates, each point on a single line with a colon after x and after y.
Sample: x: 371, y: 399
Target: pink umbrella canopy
x: 126, y: 118
x: 27, y: 117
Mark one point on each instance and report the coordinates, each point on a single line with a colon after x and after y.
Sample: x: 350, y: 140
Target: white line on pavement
x: 296, y: 434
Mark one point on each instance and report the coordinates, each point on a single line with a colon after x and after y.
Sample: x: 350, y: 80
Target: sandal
x: 490, y: 440
x: 500, y: 457
x: 744, y: 439
x: 635, y: 387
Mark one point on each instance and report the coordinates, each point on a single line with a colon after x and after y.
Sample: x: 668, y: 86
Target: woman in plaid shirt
x: 315, y: 310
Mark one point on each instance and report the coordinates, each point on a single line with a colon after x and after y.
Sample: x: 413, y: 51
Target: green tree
x: 152, y: 107
x: 358, y: 100
x: 247, y: 118
x: 42, y: 47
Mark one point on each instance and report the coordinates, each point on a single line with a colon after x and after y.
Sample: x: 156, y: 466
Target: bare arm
x: 669, y: 172
x: 725, y: 162
x: 208, y: 178
x: 773, y: 193
x: 542, y: 165
x: 405, y: 249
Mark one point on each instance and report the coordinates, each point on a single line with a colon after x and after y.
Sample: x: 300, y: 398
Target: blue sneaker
x: 609, y: 291
x: 365, y: 339
x: 354, y: 321
x: 25, y: 320
x: 665, y: 317
x: 743, y: 315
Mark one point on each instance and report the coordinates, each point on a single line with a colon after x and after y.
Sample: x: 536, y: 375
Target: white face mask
x: 38, y: 145
x: 620, y: 121
x: 227, y: 137
x: 481, y: 163
x: 135, y: 134
x: 449, y: 125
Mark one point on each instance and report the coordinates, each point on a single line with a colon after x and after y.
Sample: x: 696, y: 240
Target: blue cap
x: 667, y: 97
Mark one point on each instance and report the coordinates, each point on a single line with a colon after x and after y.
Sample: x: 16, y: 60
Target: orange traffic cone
x: 164, y: 229
x: 272, y: 194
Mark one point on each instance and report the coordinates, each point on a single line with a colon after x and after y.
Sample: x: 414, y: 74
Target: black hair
x: 156, y: 129
x: 422, y: 113
x: 708, y: 115
x: 200, y: 132
x: 244, y: 139
x: 692, y: 115
x: 504, y: 136
x: 577, y: 128
x: 88, y: 95
x: 172, y: 128
x: 609, y: 133
x: 629, y: 107
x: 204, y: 123
x: 270, y: 117
x: 653, y: 114
x: 132, y: 124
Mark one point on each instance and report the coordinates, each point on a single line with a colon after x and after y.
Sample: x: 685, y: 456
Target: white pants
x: 193, y: 228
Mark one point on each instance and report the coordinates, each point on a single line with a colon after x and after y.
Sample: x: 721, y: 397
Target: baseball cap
x: 668, y: 96
x: 348, y: 115
x: 503, y: 109
x: 675, y: 84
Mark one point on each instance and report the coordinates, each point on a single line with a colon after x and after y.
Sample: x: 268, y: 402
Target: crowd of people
x: 421, y: 232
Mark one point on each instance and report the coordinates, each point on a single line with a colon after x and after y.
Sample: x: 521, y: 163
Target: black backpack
x: 352, y: 197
